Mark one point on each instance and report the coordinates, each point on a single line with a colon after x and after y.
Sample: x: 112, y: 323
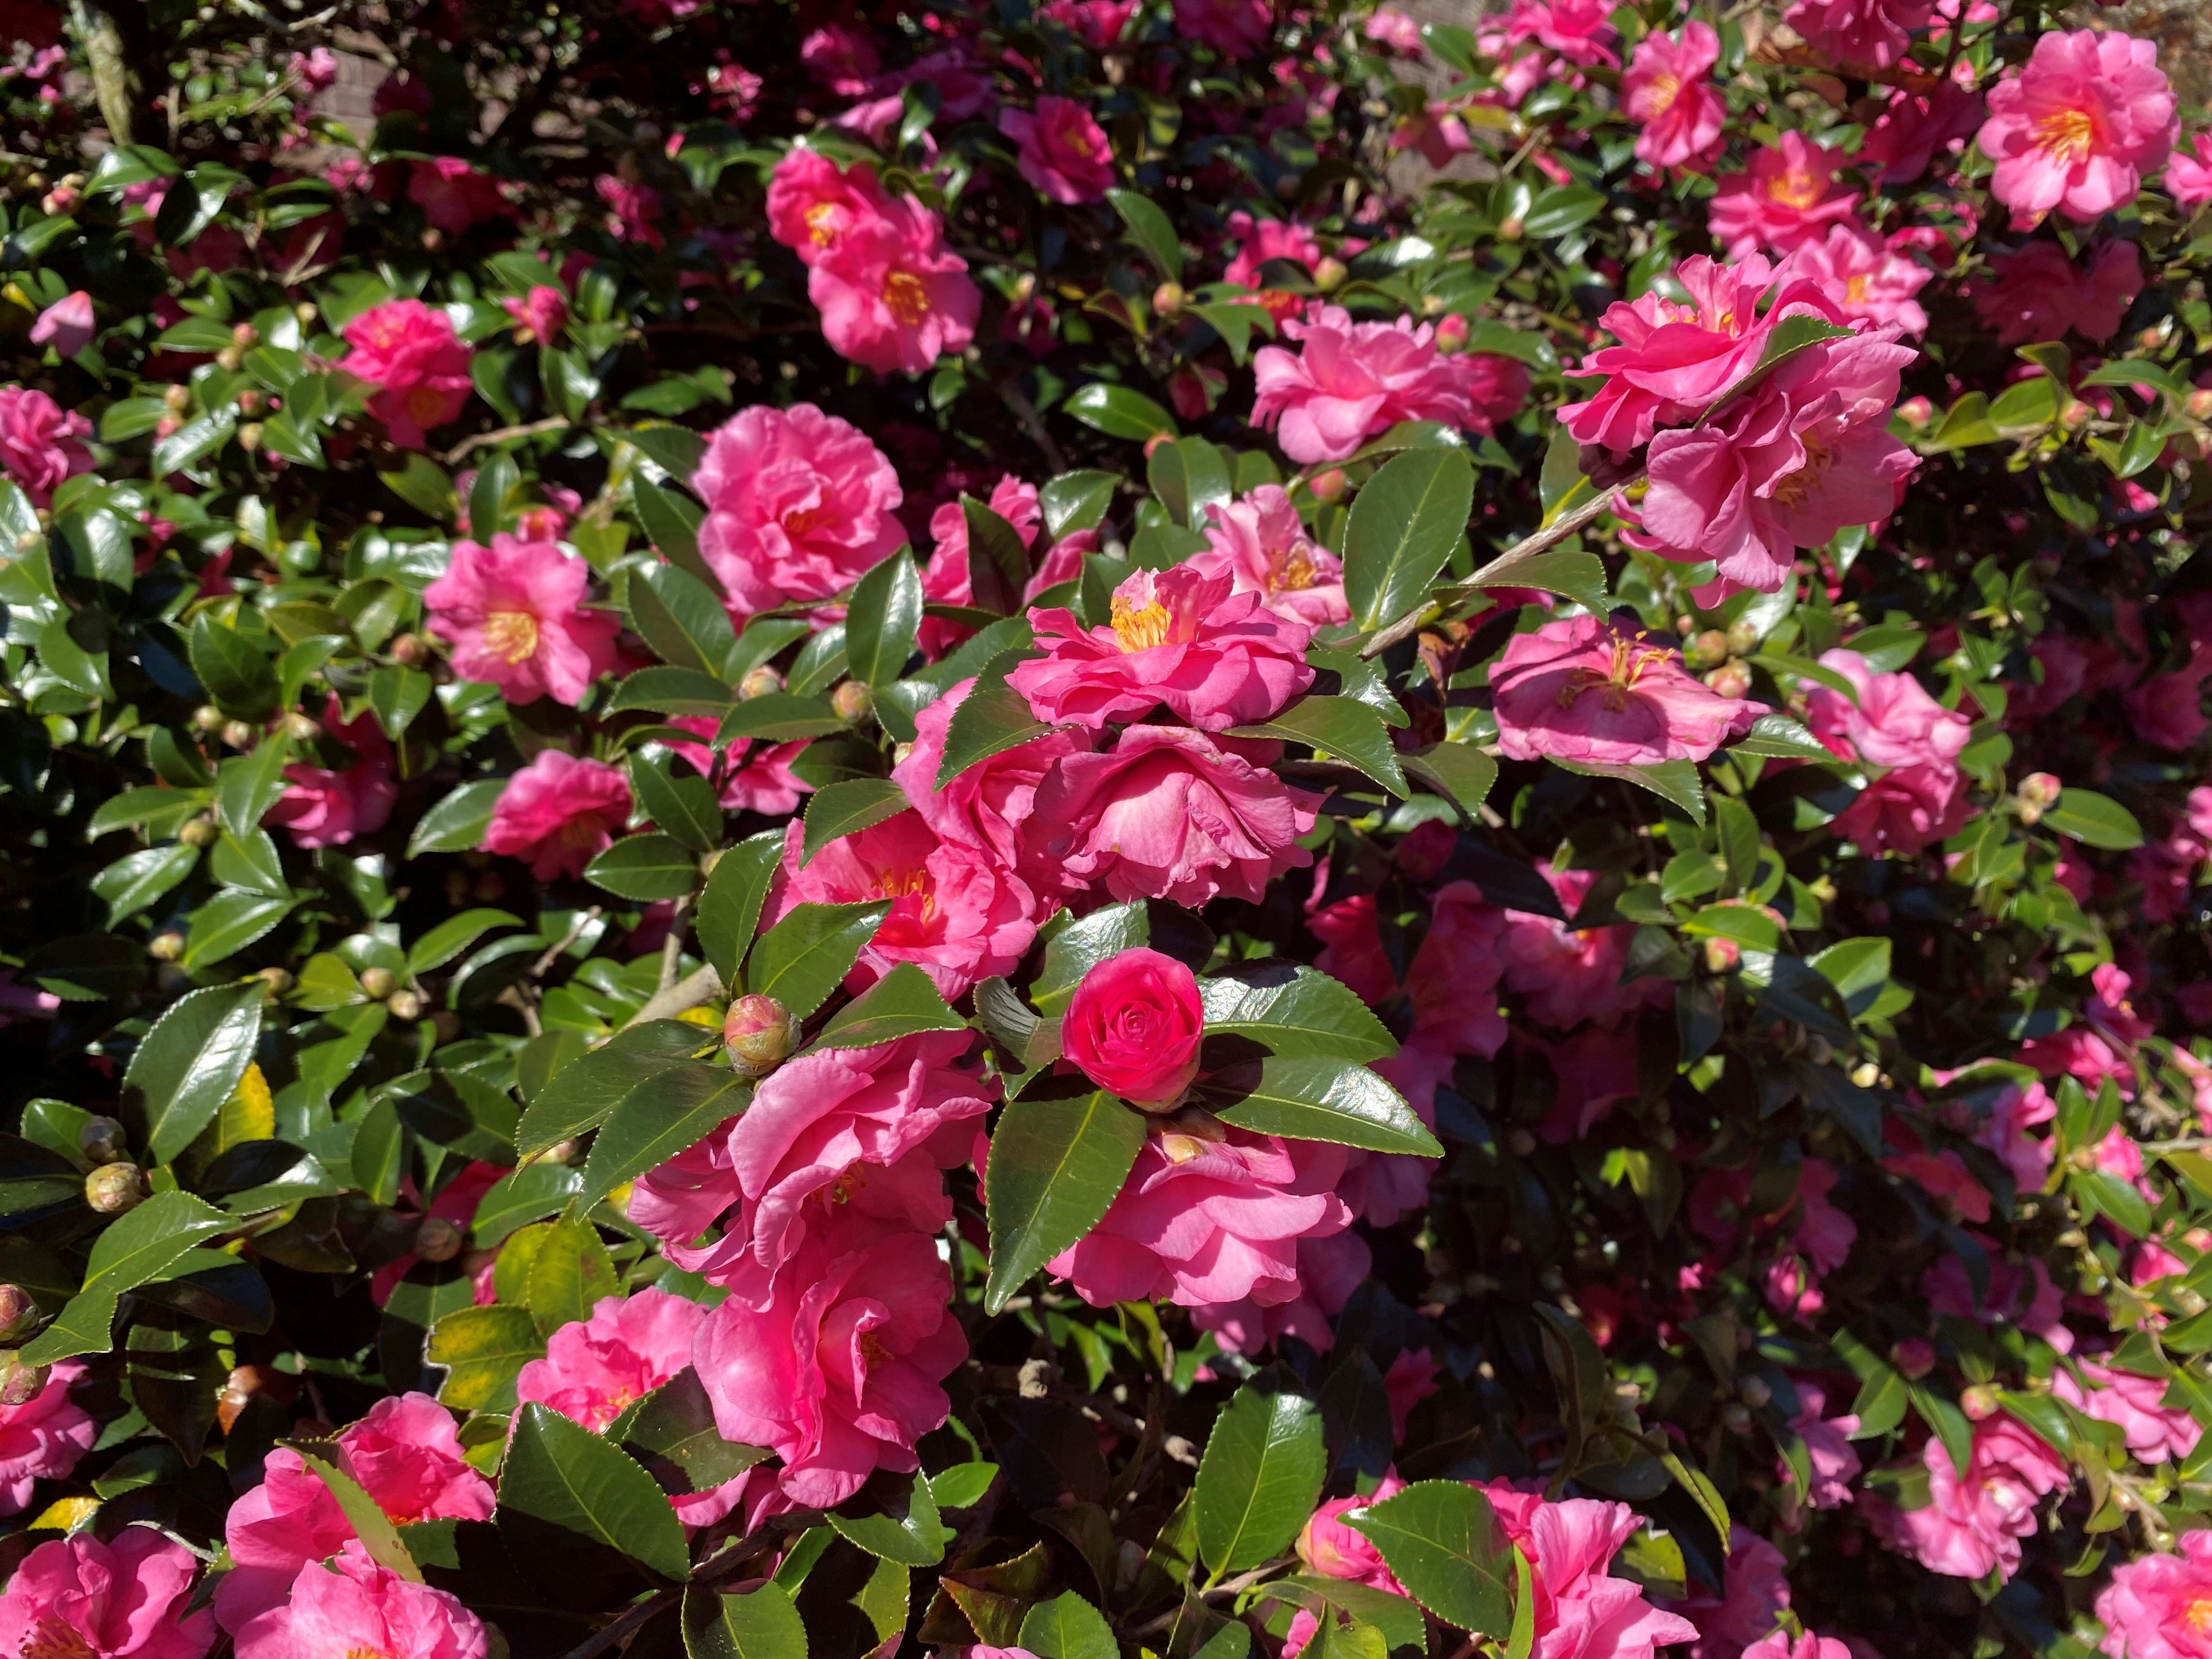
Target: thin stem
x: 1026, y: 412
x: 699, y: 986
x: 672, y: 948
x: 550, y: 423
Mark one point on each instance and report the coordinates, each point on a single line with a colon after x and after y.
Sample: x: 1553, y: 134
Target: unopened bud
x: 1913, y: 1355
x: 2037, y: 793
x: 2198, y: 1238
x: 409, y: 649
x: 447, y: 1025
x: 1754, y: 1392
x: 760, y: 683
x: 2199, y: 404
x: 1327, y: 486
x: 438, y: 1239
x: 19, y: 1313
x: 114, y: 1187
x: 378, y: 983
x: 302, y: 728
x: 1329, y: 274
x: 1169, y: 298
x: 245, y: 336
x: 1742, y: 638
x: 1452, y: 334
x: 238, y: 734
x: 19, y: 1384
x: 176, y: 399
x: 852, y: 702
x: 405, y: 1004
x: 166, y: 946
x: 759, y: 1032
x: 230, y: 360
x: 1153, y: 443
x: 1735, y: 1418
x: 249, y: 436
x: 1979, y: 1401
x: 1521, y: 1143
x: 2077, y: 415
x: 1722, y: 954
x: 102, y: 1140
x: 274, y: 980
x: 1917, y: 411
x: 251, y: 401
x: 1707, y: 650
x: 1512, y: 231
x: 561, y: 1152
x: 198, y: 832
x: 1730, y: 679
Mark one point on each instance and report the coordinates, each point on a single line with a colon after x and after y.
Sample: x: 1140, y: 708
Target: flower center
x: 1793, y: 490
x: 1140, y: 627
x: 1660, y: 94
x: 804, y: 521
x: 905, y: 298
x: 872, y: 1352
x: 897, y: 884
x: 2066, y: 135
x: 1855, y: 288
x: 1794, y: 189
x: 53, y: 1639
x: 1291, y: 571
x: 512, y: 634
x: 1617, y: 680
x: 821, y: 223
x: 2196, y: 1612
x: 581, y: 831
x: 366, y: 1653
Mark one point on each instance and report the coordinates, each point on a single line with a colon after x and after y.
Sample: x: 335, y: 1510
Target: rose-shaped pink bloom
x: 1060, y: 151
x: 2155, y: 1607
x: 1203, y: 1220
x: 1590, y: 690
x: 409, y: 352
x: 2039, y: 293
x: 2188, y: 177
x: 892, y: 295
x: 1668, y: 92
x: 39, y: 445
x: 1235, y: 28
x: 2156, y: 1431
x: 1867, y: 280
x: 1781, y: 1645
x: 1582, y: 1611
x: 1180, y: 638
x: 988, y: 806
x: 2078, y: 125
x: 539, y: 315
x: 839, y: 1374
x: 1789, y: 197
x: 77, y: 1598
x: 1169, y: 814
x: 1260, y: 241
x: 756, y: 777
x: 406, y: 1454
x: 1905, y: 136
x: 43, y: 1437
x: 1496, y: 387
x: 1828, y: 1449
x: 1580, y: 31
x: 1133, y: 1025
x: 560, y: 813
x: 291, y: 1520
x: 67, y: 324
x: 1569, y: 975
x: 1352, y: 381
x: 1920, y: 796
x: 1261, y: 545
x: 1876, y: 32
x: 596, y: 1369
x: 453, y: 196
x: 799, y: 504
x: 515, y: 614
x: 353, y: 1607
x: 957, y: 912
x: 1332, y: 1550
x: 1971, y: 1526
x: 812, y: 202
x: 322, y: 806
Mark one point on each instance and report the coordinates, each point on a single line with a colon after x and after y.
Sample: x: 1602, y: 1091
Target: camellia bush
x: 1115, y: 829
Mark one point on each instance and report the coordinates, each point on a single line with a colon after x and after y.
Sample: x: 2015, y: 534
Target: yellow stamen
x: 905, y: 298
x: 53, y: 1639
x: 1140, y: 627
x: 1292, y: 572
x: 1795, y: 189
x: 818, y: 224
x: 2066, y: 135
x: 1629, y: 662
x: 1792, y: 490
x: 1855, y: 288
x: 512, y: 634
x: 1660, y: 94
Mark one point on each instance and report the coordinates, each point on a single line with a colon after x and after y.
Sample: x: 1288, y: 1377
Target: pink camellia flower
x: 812, y: 202
x: 1167, y: 813
x: 1807, y: 454
x: 324, y: 807
x: 841, y: 57
x: 1674, y: 358
x: 1411, y: 1379
x: 858, y: 1131
x: 1331, y: 1549
x: 1133, y: 1025
x: 559, y: 812
x: 539, y: 315
x: 2012, y: 1113
x: 43, y: 1437
x: 2154, y: 1607
x: 1590, y: 691
x: 2188, y: 177
x: 1668, y: 92
x: 799, y: 504
x: 957, y: 912
x: 353, y: 1607
x: 1179, y: 639
x: 78, y: 1598
x: 1235, y: 28
x: 1867, y: 280
x: 1261, y: 545
x: 1582, y: 1611
x: 839, y: 1374
x: 596, y: 1369
x: 1971, y: 1526
x: 1780, y: 1644
x: 633, y: 209
x: 1919, y: 796
x: 1828, y: 1449
x: 1755, y: 1592
x: 515, y: 617
x: 1395, y: 30
x: 67, y: 324
x: 1580, y: 31
x: 1101, y: 23
x: 1876, y: 32
x: 1329, y: 1270
x: 1789, y: 195
x: 2039, y: 293
x: 1568, y: 974
x: 1906, y: 135
x: 39, y: 445
x: 988, y: 806
x: 420, y: 369
x: 406, y: 1454
x: 1209, y: 1217
x: 453, y: 196
x: 2078, y: 124
x: 1352, y: 381
x: 1060, y: 151
x: 1260, y: 241
x: 755, y: 778
x: 892, y: 295
x: 2156, y: 1431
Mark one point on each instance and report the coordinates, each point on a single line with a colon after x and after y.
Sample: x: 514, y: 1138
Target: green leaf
x: 681, y: 619
x: 674, y: 1425
x: 1443, y: 1543
x: 2094, y: 820
x: 673, y: 691
x: 730, y: 907
x: 1342, y: 727
x: 570, y: 1272
x: 190, y: 1061
x: 132, y: 883
x: 1459, y: 772
x: 247, y: 786
x: 1119, y: 412
x: 992, y: 719
x: 675, y: 450
x: 483, y: 1350
x: 1295, y: 1010
x: 135, y: 1248
x: 671, y: 521
x: 453, y: 936
x: 902, y: 1003
x: 1404, y: 525
x: 251, y: 861
x: 761, y: 1624
x: 1783, y: 737
x: 645, y: 868
x: 1067, y: 1627
x: 1081, y: 946
x: 1189, y: 475
x: 1567, y: 571
x: 1791, y: 338
x: 682, y: 808
x: 584, y: 1093
x: 457, y: 823
x: 1675, y: 780
x: 568, y: 1480
x: 883, y: 622
x: 906, y: 1531
x: 1054, y: 1167
x: 1260, y: 1476
x: 369, y: 1522
x: 228, y: 922
x: 673, y: 1110
x: 1401, y: 1622
x: 846, y: 808
x: 805, y: 956
x: 1319, y: 1098
x: 997, y: 562
x: 1076, y: 501
x: 236, y: 671
x: 778, y: 717
x: 1152, y: 231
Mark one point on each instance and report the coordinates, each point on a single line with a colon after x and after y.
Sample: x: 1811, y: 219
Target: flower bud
x: 102, y: 1140
x: 1754, y: 1392
x: 1979, y: 1401
x: 1521, y: 1143
x: 249, y: 436
x: 2198, y: 1238
x: 759, y: 1032
x: 1913, y: 1355
x: 447, y: 1024
x: 1735, y: 1418
x: 114, y: 1187
x: 274, y: 980
x: 405, y: 1004
x: 409, y: 649
x: 19, y: 1384
x: 2077, y: 415
x: 199, y: 831
x: 230, y: 360
x: 2199, y: 404
x: 1329, y: 274
x: 1917, y: 411
x: 378, y: 983
x: 1707, y: 650
x: 19, y: 1313
x: 1742, y: 638
x: 852, y: 702
x: 1327, y: 486
x: 438, y: 1239
x: 1153, y: 443
x: 2038, y: 792
x: 1722, y: 954
x: 176, y: 399
x: 561, y: 1152
x: 1730, y: 679
x: 208, y: 718
x: 1452, y: 334
x: 760, y: 683
x: 250, y: 401
x: 238, y: 734
x: 245, y: 336
x: 302, y: 728
x: 166, y: 946
x: 1169, y: 298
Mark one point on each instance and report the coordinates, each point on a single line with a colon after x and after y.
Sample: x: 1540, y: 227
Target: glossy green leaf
x: 1295, y: 1010
x: 136, y: 1246
x: 1068, y: 1627
x: 2094, y: 820
x: 1404, y: 523
x: 730, y: 905
x: 1319, y: 1098
x: 187, y: 1065
x: 1342, y: 727
x: 1260, y: 1476
x: 805, y: 956
x: 1119, y: 412
x: 1056, y: 1165
x: 653, y: 1123
x: 567, y: 1479
x: 760, y: 1624
x: 1444, y: 1544
x: 902, y: 1003
x: 883, y: 621
x: 645, y: 867
x: 1152, y: 230
x: 905, y: 1529
x: 846, y: 808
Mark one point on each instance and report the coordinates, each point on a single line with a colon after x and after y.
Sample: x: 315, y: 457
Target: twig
x: 1026, y: 413
x: 550, y: 423
x: 672, y: 948
x: 688, y: 992
x: 1234, y: 1586
x: 555, y: 952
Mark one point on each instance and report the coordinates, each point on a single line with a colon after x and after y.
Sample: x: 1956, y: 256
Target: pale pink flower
x: 322, y: 806
x: 799, y: 504
x: 1329, y: 1270
x: 559, y: 812
x: 1260, y: 241
x: 2188, y: 175
x: 2039, y: 293
x: 453, y: 196
x: 318, y: 69
x: 78, y: 1598
x: 1060, y: 150
x: 1180, y: 638
x: 755, y: 778
x: 1395, y: 30
x: 1167, y: 813
x: 1262, y: 546
x: 539, y: 315
x: 1587, y: 689
x: 1789, y: 197
x: 2155, y: 1607
x: 2078, y: 124
x: 1866, y: 278
x: 1971, y: 1527
x: 43, y: 1437
x: 1235, y: 28
x: 1828, y: 1449
x: 419, y: 367
x: 67, y: 324
x: 1669, y: 93
x: 1331, y: 1549
x: 892, y: 295
x: 1582, y: 1611
x: 40, y: 446
x: 1352, y: 381
x: 596, y: 1369
x: 1755, y: 1592
x: 1876, y: 32
x: 353, y: 1607
x: 839, y: 1374
x: 2157, y: 1432
x: 1907, y: 137
x: 1918, y: 796
x: 812, y: 202
x: 515, y: 617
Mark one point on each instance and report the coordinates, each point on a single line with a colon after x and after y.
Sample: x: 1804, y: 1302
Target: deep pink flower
x: 39, y: 445
x: 1755, y: 1592
x: 559, y: 812
x: 2039, y: 293
x: 353, y: 1607
x: 1331, y: 1549
x: 406, y: 1454
x: 1262, y: 546
x: 2188, y: 176
x: 1330, y: 1269
x: 1971, y: 1526
x: 1352, y: 381
x: 1789, y: 195
x: 43, y: 1437
x: 841, y: 57
x: 839, y: 1374
x: 2157, y: 1432
x: 1395, y: 30
x: 1582, y: 1611
x: 453, y: 196
x: 325, y: 807
x: 1133, y: 1024
x: 78, y: 1598
x: 515, y: 617
x: 1810, y: 1645
x: 409, y: 352
x: 1877, y: 31
x: 1167, y: 813
x: 1587, y: 689
x: 1099, y: 22
x: 1235, y: 28
x: 1179, y: 639
x: 1411, y: 1379
x: 799, y: 504
x: 633, y: 209
x: 2015, y: 1111
x: 756, y: 778
x: 596, y: 1369
x: 68, y: 325
x: 1580, y: 31
x: 1906, y: 135
x: 539, y: 315
x: 2078, y: 124
x: 1919, y: 796
x: 1864, y: 277
x: 1824, y: 1232
x: 1060, y: 150
x: 1569, y: 975
x: 812, y: 202
x: 2156, y: 1605
x: 892, y: 295
x: 1828, y: 1447
x: 1668, y: 92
